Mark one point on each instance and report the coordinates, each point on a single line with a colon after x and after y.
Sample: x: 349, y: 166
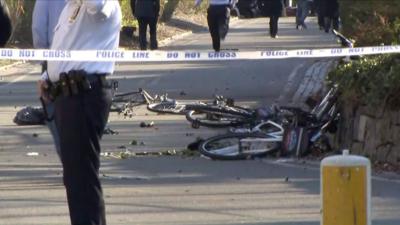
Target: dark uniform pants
x: 273, y: 25
x: 331, y: 20
x: 80, y: 121
x: 218, y: 23
x: 152, y: 23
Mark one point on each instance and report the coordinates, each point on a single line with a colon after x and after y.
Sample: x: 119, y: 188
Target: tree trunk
x: 21, y: 15
x: 169, y: 9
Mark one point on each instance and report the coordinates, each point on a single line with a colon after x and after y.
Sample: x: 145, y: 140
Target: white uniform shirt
x: 86, y: 25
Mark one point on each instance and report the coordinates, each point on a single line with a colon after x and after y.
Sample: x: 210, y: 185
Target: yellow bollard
x: 346, y: 190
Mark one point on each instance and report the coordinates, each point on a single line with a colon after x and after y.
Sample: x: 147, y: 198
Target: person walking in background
x: 272, y: 9
x: 5, y: 24
x: 44, y: 19
x: 146, y: 12
x: 218, y: 14
x: 320, y: 14
x: 330, y: 11
x: 303, y: 8
x: 82, y: 100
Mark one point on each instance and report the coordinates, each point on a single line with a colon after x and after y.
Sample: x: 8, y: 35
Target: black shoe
x: 154, y: 46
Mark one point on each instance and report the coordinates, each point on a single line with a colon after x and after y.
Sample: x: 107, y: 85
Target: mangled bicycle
x: 287, y: 130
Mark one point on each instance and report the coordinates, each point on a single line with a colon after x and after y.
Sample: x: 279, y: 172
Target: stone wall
x: 374, y: 133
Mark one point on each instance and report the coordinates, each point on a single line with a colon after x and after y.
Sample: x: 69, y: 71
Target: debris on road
x: 32, y: 154
x: 144, y: 124
x: 111, y: 177
x: 128, y: 154
x: 125, y: 155
x: 109, y: 131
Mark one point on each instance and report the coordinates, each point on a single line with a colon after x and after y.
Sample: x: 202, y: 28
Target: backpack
x: 30, y: 116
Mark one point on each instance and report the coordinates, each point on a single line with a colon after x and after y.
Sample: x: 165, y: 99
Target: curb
x: 169, y: 40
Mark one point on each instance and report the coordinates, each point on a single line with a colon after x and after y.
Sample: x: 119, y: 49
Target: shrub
x: 373, y: 81
x: 127, y: 17
x: 362, y: 18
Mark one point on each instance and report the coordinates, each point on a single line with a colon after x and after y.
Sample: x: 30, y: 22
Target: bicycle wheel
x: 218, y: 116
x: 239, y: 146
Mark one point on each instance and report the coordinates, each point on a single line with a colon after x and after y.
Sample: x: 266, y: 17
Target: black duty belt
x: 75, y: 82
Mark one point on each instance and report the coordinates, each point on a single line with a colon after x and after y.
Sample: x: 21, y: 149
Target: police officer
x: 82, y: 99
x: 218, y: 15
x: 146, y: 12
x: 272, y: 9
x: 5, y: 23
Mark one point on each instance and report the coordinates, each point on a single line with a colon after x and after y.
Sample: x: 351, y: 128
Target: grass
x: 5, y: 62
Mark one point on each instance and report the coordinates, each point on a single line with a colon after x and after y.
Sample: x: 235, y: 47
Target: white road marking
x: 13, y: 81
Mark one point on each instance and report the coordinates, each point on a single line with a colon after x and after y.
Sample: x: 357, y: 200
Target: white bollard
x: 346, y: 190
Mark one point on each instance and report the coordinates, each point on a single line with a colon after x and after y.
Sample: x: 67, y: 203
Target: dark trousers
x: 80, y: 121
x: 218, y: 24
x: 150, y: 22
x: 273, y: 25
x: 331, y: 21
x: 321, y: 22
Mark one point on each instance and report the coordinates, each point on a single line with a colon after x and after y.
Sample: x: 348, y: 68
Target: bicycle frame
x: 326, y: 104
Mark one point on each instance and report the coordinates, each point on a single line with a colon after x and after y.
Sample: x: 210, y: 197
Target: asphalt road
x: 175, y: 189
